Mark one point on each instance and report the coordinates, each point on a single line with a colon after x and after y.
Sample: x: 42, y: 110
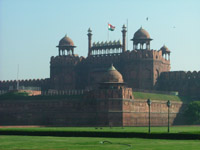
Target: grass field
x: 155, y: 96
x: 84, y: 143
x: 95, y: 143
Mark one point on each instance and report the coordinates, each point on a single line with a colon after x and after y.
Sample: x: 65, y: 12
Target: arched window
x: 157, y: 74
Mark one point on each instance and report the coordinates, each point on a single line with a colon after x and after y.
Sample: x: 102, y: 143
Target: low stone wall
x: 63, y: 112
x: 81, y: 112
x: 186, y: 83
x: 136, y: 113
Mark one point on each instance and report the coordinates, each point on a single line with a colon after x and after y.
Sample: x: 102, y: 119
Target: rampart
x: 74, y: 72
x: 128, y: 56
x: 135, y: 113
x: 186, y: 83
x: 88, y: 112
x: 68, y: 59
x: 12, y: 84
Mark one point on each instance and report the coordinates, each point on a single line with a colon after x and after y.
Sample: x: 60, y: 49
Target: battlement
x: 64, y: 92
x: 124, y: 93
x: 128, y: 55
x: 5, y: 85
x: 66, y: 59
x: 186, y: 83
x: 22, y: 81
x: 145, y: 54
x: 180, y: 75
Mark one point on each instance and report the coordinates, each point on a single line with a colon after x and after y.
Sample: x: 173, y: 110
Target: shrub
x: 193, y: 113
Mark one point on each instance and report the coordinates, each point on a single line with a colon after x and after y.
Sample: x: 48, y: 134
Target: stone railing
x: 63, y: 92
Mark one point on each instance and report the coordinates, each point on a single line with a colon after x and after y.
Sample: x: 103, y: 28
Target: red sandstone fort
x: 107, y: 77
x: 141, y: 67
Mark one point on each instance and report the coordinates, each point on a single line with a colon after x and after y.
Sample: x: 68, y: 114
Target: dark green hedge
x: 177, y: 136
x: 192, y: 113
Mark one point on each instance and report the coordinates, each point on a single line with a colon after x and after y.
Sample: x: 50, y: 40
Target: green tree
x: 193, y: 113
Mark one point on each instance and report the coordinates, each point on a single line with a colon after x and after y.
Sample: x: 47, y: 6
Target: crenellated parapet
x: 12, y: 84
x: 66, y: 60
x: 129, y: 56
x: 106, y: 59
x: 145, y: 55
x: 186, y: 83
x: 180, y: 75
x: 142, y: 54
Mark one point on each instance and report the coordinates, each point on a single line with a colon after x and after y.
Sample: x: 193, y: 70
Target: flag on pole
x: 111, y: 27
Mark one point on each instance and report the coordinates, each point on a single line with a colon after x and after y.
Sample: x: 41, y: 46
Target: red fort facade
x: 139, y: 67
x: 142, y: 67
x: 104, y: 80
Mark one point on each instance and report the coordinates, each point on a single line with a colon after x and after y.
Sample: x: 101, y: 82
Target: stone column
x: 124, y: 39
x: 89, y: 41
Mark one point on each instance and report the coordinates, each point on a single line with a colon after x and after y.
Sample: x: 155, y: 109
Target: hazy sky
x: 31, y: 29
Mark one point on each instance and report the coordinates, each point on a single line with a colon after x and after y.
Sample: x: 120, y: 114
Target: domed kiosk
x: 112, y: 76
x: 165, y: 49
x: 66, y: 44
x: 165, y: 52
x: 141, y: 38
x: 112, y: 79
x: 113, y: 86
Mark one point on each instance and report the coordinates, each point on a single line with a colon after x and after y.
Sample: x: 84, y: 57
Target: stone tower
x: 62, y: 67
x: 124, y: 38
x: 142, y: 66
x: 89, y: 41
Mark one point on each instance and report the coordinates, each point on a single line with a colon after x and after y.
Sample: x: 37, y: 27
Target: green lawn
x: 84, y: 143
x: 154, y: 96
x: 95, y: 143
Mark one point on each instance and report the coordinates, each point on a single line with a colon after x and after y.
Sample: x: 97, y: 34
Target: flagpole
x: 127, y: 33
x: 17, y: 77
x: 108, y: 34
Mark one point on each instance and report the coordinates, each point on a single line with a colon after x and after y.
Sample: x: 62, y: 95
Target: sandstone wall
x: 136, y: 113
x: 79, y: 112
x: 186, y: 83
x: 47, y: 112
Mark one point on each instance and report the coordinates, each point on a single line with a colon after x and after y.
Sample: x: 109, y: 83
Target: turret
x: 124, y: 38
x: 89, y: 41
x: 141, y: 40
x: 165, y: 52
x: 66, y: 44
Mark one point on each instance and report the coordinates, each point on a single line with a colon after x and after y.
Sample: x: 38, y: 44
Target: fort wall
x: 135, y: 113
x: 128, y: 55
x: 5, y: 85
x: 186, y: 83
x: 140, y: 68
x: 90, y: 112
x: 74, y: 72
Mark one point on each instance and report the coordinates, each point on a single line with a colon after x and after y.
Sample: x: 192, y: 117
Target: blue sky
x: 31, y: 29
